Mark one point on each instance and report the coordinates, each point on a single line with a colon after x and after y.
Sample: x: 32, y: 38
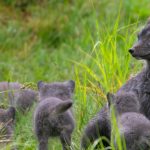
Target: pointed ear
x: 40, y: 84
x: 110, y: 98
x: 11, y: 112
x: 62, y: 107
x: 71, y: 85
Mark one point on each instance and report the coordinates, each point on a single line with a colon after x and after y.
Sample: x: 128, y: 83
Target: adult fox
x: 139, y: 85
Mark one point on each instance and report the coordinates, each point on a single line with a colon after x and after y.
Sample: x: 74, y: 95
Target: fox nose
x: 131, y: 50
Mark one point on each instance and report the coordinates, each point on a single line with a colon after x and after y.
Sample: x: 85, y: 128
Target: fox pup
x: 53, y: 116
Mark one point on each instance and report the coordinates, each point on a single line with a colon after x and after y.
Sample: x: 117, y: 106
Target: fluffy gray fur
x: 134, y: 127
x: 139, y: 85
x: 53, y: 116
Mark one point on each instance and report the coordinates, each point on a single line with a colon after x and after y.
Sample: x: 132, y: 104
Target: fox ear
x: 40, y: 84
x: 110, y: 98
x: 71, y: 85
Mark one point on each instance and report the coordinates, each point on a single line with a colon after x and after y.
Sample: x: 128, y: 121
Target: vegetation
x: 86, y: 41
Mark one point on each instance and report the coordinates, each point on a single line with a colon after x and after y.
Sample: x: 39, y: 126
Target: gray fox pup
x: 53, y: 116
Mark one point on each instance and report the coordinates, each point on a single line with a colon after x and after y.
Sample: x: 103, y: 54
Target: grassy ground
x: 86, y: 41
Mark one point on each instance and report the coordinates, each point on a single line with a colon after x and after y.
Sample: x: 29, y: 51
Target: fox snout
x: 131, y: 50
x: 135, y: 47
x: 136, y: 50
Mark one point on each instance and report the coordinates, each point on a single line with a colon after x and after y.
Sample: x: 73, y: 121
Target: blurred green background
x: 57, y: 40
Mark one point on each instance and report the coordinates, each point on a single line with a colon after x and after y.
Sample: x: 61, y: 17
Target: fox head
x: 61, y: 90
x: 141, y: 49
x: 124, y: 102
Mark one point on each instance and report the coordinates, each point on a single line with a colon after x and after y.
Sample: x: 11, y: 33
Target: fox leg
x: 43, y: 143
x: 65, y: 139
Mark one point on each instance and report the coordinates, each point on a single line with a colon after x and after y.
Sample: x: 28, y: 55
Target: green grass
x: 87, y: 41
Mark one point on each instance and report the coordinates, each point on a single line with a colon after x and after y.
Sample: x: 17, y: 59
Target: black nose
x: 131, y: 51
